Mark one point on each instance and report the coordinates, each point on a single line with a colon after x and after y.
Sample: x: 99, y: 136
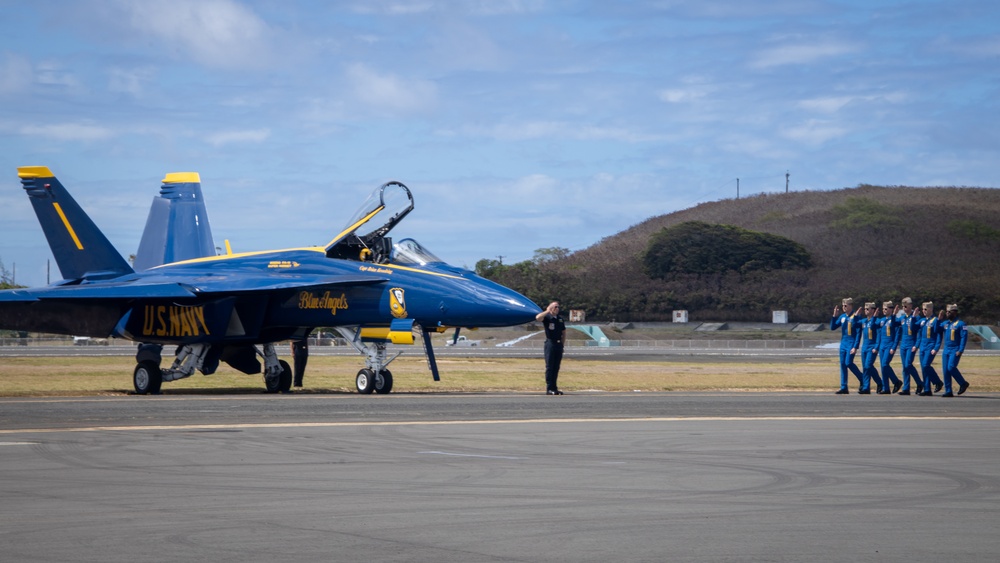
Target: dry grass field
x: 23, y: 377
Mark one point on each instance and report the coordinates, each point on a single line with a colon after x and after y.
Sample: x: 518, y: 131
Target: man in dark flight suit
x: 555, y: 340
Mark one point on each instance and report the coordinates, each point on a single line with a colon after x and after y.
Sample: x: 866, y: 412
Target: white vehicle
x: 463, y: 341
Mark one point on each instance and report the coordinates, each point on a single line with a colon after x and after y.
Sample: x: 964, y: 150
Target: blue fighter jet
x: 234, y: 307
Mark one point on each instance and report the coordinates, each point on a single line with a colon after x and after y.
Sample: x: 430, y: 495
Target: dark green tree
x: 700, y: 248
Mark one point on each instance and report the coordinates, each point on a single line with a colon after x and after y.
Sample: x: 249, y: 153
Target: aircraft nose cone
x: 489, y: 304
x: 515, y: 311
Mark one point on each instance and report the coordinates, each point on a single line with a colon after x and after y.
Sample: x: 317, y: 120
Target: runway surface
x: 504, y: 477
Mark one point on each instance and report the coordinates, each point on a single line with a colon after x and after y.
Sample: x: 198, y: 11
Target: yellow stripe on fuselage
x: 418, y: 271
x: 317, y: 249
x: 69, y: 227
x: 223, y: 257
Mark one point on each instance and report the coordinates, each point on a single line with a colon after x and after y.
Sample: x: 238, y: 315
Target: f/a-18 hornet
x: 234, y: 307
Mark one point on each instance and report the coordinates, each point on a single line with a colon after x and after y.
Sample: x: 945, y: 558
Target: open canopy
x: 364, y: 236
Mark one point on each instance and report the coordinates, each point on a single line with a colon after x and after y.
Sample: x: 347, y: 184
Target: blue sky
x: 518, y: 124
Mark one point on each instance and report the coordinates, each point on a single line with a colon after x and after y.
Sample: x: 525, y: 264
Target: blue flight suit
x: 869, y: 344
x: 909, y: 333
x: 928, y: 344
x: 850, y: 339
x: 955, y: 334
x: 888, y: 340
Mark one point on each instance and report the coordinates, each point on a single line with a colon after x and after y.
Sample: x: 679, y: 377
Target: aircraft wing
x: 109, y: 290
x: 246, y: 283
x: 166, y: 289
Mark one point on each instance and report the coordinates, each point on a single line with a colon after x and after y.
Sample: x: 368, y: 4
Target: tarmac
x: 501, y: 477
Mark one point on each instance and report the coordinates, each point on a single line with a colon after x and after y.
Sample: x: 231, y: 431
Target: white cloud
x: 390, y: 94
x: 833, y: 104
x: 217, y: 33
x: 68, y: 131
x: 692, y: 89
x: 980, y: 47
x: 475, y: 8
x: 129, y: 81
x: 802, y: 53
x: 529, y: 130
x: 52, y: 74
x: 815, y: 132
x: 830, y: 104
x: 244, y: 136
x: 15, y: 74
x: 679, y: 95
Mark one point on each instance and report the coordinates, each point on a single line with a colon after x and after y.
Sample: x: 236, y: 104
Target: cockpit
x: 365, y: 239
x: 410, y: 252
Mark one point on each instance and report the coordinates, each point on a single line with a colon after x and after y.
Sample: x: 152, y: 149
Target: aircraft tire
x: 365, y: 381
x: 285, y: 379
x: 383, y: 382
x: 147, y: 377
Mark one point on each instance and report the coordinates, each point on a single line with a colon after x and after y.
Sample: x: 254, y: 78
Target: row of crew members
x: 916, y: 333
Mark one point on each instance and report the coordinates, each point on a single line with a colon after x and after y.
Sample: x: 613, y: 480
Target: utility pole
x: 786, y: 180
x: 737, y: 188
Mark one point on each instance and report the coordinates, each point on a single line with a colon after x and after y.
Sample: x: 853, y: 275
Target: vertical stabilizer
x: 81, y: 250
x: 177, y: 228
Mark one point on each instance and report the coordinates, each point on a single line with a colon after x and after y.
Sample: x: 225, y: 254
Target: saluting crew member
x: 955, y: 336
x: 909, y: 332
x: 850, y: 338
x: 555, y: 340
x: 869, y: 343
x: 929, y: 343
x: 888, y: 344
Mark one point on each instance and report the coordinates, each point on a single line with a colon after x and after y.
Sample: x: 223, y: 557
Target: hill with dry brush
x: 871, y: 243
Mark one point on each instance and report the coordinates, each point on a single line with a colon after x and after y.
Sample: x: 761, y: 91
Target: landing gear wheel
x: 383, y: 382
x: 147, y: 377
x: 282, y: 383
x: 365, y: 381
x: 285, y: 379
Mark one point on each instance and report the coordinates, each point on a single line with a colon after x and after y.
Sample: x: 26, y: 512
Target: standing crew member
x: 555, y: 340
x: 909, y: 332
x: 955, y: 336
x: 888, y: 344
x: 850, y: 334
x: 869, y: 343
x: 929, y: 344
x: 300, y: 355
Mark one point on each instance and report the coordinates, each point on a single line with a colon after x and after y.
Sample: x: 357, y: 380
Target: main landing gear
x: 374, y: 377
x: 368, y: 381
x: 148, y: 377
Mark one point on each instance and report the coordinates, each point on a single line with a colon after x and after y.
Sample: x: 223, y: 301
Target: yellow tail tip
x: 34, y: 172
x: 182, y: 178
